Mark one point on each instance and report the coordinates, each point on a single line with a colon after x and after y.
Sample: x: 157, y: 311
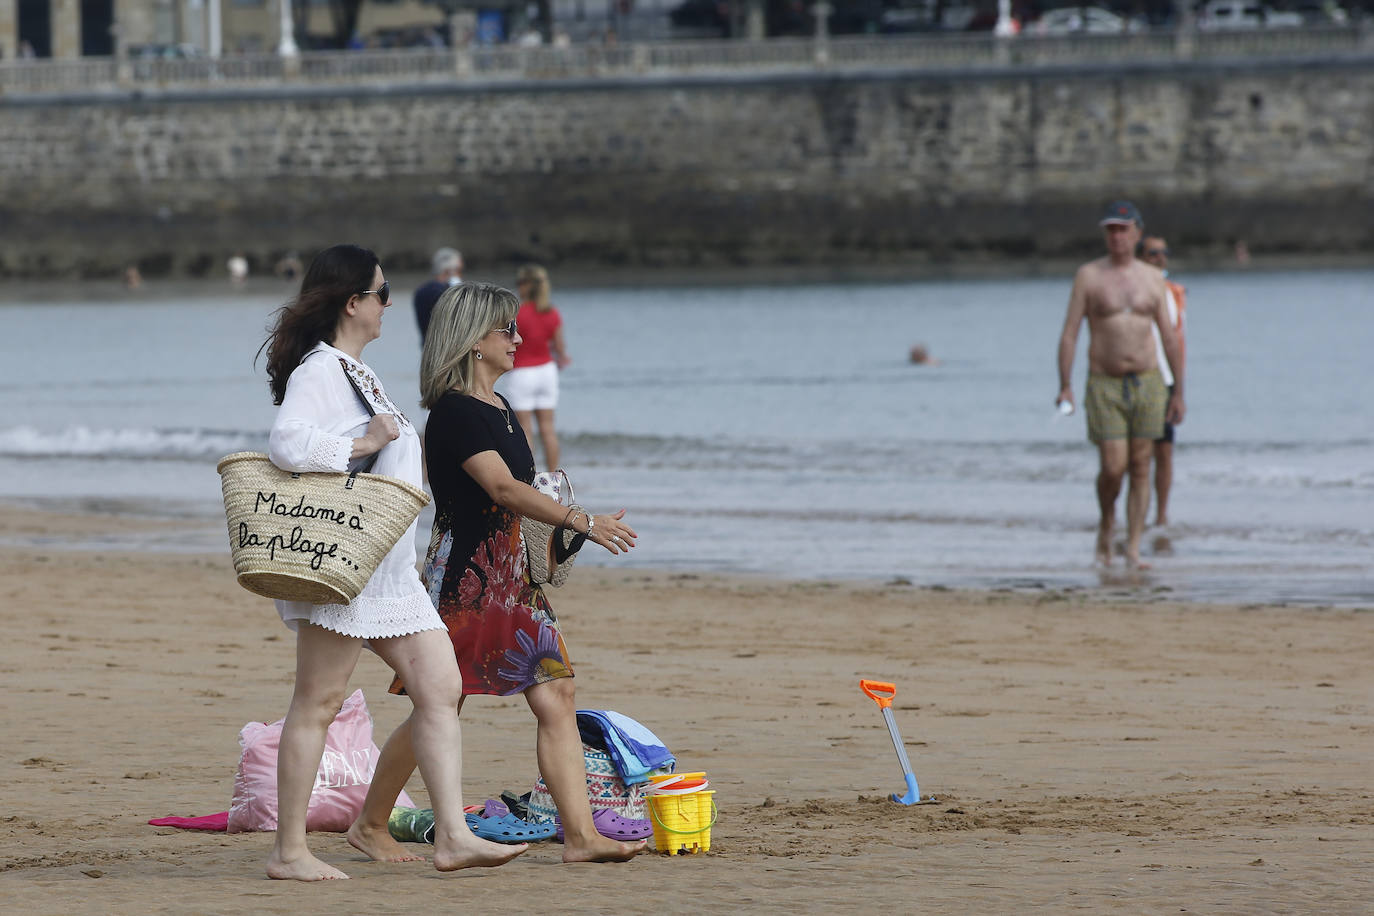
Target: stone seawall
x: 797, y: 169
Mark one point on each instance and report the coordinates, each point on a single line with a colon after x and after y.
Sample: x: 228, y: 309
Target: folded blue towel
x: 633, y: 749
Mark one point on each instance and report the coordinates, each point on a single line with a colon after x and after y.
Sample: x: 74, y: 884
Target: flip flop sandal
x: 614, y: 827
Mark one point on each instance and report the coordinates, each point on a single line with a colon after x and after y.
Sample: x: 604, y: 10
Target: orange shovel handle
x: 880, y: 693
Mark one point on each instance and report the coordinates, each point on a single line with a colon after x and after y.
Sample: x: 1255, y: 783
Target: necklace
x: 505, y: 414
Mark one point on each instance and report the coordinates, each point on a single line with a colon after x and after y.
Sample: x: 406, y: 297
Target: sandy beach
x: 1085, y: 753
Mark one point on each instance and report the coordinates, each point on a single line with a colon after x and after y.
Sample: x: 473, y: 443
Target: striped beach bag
x: 605, y: 789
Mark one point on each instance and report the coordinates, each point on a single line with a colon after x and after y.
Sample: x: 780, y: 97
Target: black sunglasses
x: 383, y: 292
x: 1155, y: 252
x: 508, y: 330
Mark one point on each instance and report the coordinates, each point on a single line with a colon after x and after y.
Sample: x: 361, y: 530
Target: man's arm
x: 1068, y: 338
x: 1181, y: 323
x: 1172, y: 352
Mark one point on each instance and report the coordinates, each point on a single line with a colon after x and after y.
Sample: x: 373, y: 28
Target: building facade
x: 67, y: 29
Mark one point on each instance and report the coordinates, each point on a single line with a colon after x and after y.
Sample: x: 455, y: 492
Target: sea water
x: 782, y: 429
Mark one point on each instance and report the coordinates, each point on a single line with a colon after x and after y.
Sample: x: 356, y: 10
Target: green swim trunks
x: 1126, y: 407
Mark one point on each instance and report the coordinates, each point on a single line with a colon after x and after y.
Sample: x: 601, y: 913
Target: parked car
x: 925, y: 16
x: 1322, y: 12
x: 1079, y: 19
x: 714, y: 18
x: 1244, y: 14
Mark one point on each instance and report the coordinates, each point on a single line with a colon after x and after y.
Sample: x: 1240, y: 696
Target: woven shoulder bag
x: 314, y: 537
x: 551, y: 549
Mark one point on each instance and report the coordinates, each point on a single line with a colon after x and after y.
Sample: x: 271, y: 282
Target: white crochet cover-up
x: 314, y: 430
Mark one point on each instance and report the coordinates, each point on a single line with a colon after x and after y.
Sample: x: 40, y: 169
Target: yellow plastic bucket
x: 682, y: 823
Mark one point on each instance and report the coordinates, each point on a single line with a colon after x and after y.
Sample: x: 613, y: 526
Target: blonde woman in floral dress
x: 505, y: 635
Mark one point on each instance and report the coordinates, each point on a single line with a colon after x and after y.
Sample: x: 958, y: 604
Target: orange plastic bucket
x: 677, y: 784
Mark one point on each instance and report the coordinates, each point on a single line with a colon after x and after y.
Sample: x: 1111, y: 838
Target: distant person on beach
x: 532, y: 385
x: 1154, y: 250
x: 238, y: 269
x: 333, y: 415
x: 288, y: 266
x: 1126, y: 401
x: 920, y: 356
x: 447, y: 270
x: 501, y: 626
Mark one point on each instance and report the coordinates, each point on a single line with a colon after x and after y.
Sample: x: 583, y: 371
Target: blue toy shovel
x: 883, y: 694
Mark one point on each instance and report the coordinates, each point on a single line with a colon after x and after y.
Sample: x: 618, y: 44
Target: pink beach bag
x: 345, y: 772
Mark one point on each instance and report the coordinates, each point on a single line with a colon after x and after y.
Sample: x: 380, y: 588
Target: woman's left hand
x: 612, y: 533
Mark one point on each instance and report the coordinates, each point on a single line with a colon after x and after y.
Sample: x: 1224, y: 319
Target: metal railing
x: 593, y: 61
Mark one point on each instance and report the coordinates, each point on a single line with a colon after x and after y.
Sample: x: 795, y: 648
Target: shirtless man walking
x: 1126, y: 401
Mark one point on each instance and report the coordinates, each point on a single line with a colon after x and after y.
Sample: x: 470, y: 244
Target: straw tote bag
x: 314, y: 537
x: 551, y: 549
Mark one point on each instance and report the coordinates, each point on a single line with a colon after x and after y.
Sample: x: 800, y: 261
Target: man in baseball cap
x: 1123, y: 300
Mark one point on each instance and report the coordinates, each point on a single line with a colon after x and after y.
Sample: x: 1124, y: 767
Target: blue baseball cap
x: 1121, y: 212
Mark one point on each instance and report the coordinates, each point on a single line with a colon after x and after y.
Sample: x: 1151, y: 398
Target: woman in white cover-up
x: 316, y: 344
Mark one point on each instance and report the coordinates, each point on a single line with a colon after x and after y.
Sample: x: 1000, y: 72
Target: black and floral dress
x: 504, y: 633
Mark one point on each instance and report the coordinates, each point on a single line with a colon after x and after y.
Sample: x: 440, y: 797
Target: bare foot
x: 379, y: 845
x: 472, y: 852
x: 1134, y: 562
x: 305, y: 868
x: 601, y: 849
x: 1103, y: 551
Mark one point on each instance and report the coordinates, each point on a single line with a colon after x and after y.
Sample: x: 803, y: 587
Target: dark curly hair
x: 334, y: 276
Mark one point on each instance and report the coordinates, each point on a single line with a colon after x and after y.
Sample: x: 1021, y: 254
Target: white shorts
x: 532, y: 387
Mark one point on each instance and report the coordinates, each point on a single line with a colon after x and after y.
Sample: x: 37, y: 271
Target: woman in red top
x: 532, y: 386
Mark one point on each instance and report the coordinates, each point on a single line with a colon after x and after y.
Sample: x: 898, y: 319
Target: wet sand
x: 1084, y: 754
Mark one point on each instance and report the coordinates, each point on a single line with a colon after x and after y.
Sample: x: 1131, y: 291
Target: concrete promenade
x: 854, y: 166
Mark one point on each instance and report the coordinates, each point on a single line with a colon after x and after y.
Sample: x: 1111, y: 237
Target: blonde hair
x: 538, y: 278
x: 463, y: 315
